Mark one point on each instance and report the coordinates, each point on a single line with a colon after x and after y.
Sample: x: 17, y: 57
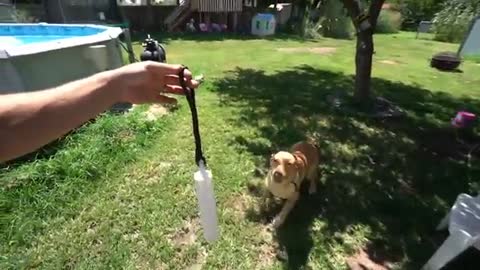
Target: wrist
x: 110, y: 81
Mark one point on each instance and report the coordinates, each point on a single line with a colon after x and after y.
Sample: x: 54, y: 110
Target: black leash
x: 190, y: 94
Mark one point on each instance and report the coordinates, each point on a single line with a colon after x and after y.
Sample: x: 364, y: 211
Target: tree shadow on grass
x: 395, y: 177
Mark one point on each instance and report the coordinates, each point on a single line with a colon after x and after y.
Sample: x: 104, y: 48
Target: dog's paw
x: 277, y: 222
x: 269, y: 228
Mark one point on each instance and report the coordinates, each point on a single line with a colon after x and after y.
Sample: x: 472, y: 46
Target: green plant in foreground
x: 54, y: 182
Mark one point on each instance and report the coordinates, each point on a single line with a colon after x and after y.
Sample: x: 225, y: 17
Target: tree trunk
x: 150, y: 17
x: 364, y: 54
x: 305, y: 16
x: 363, y: 63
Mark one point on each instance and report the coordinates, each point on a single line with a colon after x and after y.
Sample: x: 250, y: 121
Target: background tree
x: 414, y: 11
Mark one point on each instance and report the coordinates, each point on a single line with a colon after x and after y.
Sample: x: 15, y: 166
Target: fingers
x: 178, y: 90
x: 193, y: 83
x: 165, y: 100
x: 173, y: 89
x: 170, y: 74
x: 174, y: 80
x: 162, y: 69
x: 187, y: 75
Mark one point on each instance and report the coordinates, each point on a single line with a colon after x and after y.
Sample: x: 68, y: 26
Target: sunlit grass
x: 118, y: 192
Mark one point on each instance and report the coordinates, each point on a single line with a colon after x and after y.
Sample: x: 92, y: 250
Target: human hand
x: 148, y: 82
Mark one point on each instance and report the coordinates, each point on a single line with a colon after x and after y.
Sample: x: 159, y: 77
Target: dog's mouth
x: 277, y: 177
x: 277, y: 180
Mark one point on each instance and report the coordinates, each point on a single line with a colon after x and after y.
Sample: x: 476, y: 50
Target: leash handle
x: 190, y: 95
x: 203, y: 177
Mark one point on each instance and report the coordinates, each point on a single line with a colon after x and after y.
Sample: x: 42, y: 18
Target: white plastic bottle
x: 206, y: 203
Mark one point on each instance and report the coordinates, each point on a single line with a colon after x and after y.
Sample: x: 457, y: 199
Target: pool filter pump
x: 154, y: 51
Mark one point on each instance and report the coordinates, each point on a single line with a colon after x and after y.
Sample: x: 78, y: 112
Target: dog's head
x: 283, y: 167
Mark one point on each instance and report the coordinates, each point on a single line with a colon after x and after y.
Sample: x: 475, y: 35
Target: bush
x: 453, y: 21
x: 335, y: 22
x: 328, y: 20
x: 414, y: 11
x: 29, y: 13
x: 389, y: 22
x: 312, y: 30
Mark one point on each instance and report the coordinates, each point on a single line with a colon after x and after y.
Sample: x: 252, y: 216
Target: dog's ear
x: 269, y: 161
x: 298, y: 161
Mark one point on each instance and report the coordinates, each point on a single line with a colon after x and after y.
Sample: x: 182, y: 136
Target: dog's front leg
x: 287, y: 207
x: 266, y: 201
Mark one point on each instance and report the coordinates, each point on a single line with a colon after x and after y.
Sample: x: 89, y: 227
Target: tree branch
x: 374, y: 11
x: 354, y: 9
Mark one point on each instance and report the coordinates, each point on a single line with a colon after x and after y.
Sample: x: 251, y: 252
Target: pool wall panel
x: 84, y: 50
x: 52, y: 68
x: 10, y: 81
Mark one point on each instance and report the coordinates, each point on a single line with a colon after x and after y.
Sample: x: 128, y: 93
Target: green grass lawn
x: 118, y: 192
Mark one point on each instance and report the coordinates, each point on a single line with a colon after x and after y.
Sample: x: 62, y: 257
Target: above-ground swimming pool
x: 40, y: 56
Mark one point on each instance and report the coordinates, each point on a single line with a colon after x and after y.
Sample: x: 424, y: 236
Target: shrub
x: 452, y: 22
x: 312, y: 30
x: 22, y: 16
x: 389, y: 22
x: 334, y: 21
x: 414, y: 11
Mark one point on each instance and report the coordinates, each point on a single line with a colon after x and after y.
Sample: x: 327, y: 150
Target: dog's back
x: 309, y: 151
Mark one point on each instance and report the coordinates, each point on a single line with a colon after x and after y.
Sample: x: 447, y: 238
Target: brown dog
x: 287, y: 171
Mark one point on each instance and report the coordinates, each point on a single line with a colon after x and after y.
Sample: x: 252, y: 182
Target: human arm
x: 31, y: 120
